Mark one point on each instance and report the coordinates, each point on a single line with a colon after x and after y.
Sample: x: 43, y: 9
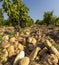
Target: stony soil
x: 35, y: 45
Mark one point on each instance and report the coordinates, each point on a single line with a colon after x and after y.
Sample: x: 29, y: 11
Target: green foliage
x: 48, y: 17
x: 57, y: 21
x: 1, y: 0
x: 7, y: 23
x: 10, y: 23
x: 1, y: 17
x: 29, y: 22
x: 39, y: 22
x: 1, y: 13
x: 17, y: 11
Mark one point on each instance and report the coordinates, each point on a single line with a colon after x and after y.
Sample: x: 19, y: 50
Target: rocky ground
x: 35, y: 45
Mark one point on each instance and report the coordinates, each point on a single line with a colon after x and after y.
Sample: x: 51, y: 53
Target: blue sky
x: 38, y: 7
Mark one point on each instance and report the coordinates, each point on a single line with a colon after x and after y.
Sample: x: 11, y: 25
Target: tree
x: 38, y: 22
x: 0, y: 0
x: 57, y: 21
x: 48, y: 18
x: 16, y: 10
x: 29, y: 22
x: 1, y: 17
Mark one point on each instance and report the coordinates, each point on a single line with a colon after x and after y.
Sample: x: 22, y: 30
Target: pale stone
x: 5, y: 53
x: 27, y: 32
x: 50, y: 60
x: 6, y: 37
x: 24, y: 61
x: 0, y: 63
x: 54, y: 51
x: 13, y: 39
x: 5, y: 44
x: 32, y: 40
x: 55, y: 59
x: 51, y: 40
x: 16, y: 44
x: 48, y: 44
x: 18, y: 57
x: 34, y: 53
x: 52, y: 48
x: 17, y: 34
x: 10, y: 50
x: 20, y: 47
x: 8, y: 63
x: 34, y: 63
x: 20, y: 39
x: 43, y: 51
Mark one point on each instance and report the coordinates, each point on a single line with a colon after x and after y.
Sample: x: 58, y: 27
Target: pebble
x: 24, y: 61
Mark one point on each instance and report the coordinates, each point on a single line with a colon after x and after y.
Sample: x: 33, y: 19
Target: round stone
x: 6, y: 37
x: 18, y: 57
x: 32, y: 40
x: 12, y: 39
x: 10, y: 50
x: 24, y: 61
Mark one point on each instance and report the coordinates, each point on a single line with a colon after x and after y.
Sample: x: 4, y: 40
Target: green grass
x: 1, y: 36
